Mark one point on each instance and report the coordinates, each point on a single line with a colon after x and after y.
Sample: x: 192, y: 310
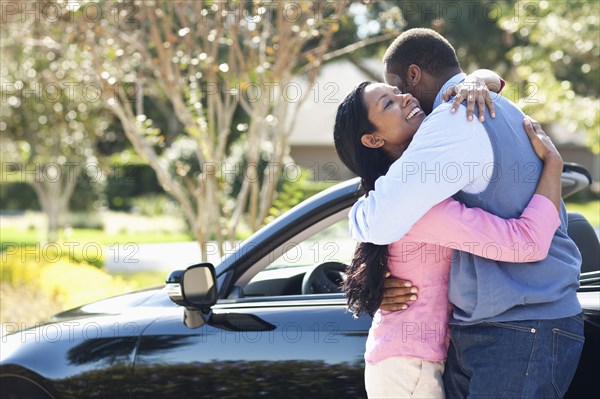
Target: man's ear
x: 370, y: 140
x: 413, y: 75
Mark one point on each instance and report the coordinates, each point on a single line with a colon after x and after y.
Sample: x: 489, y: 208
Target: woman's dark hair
x: 364, y: 284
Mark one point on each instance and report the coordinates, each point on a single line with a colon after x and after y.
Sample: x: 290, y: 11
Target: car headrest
x: 582, y: 232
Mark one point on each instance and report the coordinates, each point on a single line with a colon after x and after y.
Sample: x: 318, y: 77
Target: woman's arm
x: 550, y: 183
x: 490, y: 79
x: 476, y: 89
x: 526, y: 239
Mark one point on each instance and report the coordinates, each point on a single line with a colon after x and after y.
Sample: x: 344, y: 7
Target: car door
x: 271, y: 341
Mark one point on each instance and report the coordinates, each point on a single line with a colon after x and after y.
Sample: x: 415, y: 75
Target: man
x: 516, y: 329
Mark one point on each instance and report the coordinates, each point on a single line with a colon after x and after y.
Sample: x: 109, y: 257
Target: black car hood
x: 150, y: 297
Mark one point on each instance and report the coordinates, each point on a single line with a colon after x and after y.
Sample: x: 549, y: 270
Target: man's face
x: 395, y: 80
x: 419, y: 90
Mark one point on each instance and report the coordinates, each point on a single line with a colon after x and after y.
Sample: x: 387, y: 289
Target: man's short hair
x: 423, y: 47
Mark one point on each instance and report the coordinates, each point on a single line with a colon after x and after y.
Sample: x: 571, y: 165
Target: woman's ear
x: 370, y: 140
x: 413, y: 75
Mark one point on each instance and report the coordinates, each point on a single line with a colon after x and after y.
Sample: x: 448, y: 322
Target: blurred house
x: 311, y: 139
x: 572, y: 147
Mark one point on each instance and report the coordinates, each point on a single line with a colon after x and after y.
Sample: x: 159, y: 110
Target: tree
x: 49, y: 124
x: 557, y: 59
x: 205, y: 61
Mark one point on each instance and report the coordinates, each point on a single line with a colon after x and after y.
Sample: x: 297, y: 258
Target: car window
x: 283, y: 274
x: 330, y: 244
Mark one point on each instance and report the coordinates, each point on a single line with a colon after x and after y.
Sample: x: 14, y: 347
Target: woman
x: 405, y: 351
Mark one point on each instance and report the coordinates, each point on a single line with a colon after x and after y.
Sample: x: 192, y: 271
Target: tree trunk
x: 49, y: 196
x: 54, y: 195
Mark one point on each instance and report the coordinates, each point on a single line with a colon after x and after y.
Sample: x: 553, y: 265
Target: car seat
x: 582, y: 232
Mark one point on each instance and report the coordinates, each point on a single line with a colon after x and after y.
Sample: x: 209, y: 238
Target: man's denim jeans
x: 520, y: 359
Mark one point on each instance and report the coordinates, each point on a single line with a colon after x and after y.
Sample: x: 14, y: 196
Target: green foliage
x: 126, y: 181
x: 292, y: 192
x: 18, y: 196
x: 48, y: 122
x: 589, y: 209
x: 84, y: 220
x: 122, y: 186
x: 557, y: 62
x: 471, y: 27
x: 154, y: 205
x: 15, y: 236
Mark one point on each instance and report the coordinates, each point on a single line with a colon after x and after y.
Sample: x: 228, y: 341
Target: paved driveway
x: 142, y: 257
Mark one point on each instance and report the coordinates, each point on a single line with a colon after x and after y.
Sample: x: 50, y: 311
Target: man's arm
x: 445, y: 155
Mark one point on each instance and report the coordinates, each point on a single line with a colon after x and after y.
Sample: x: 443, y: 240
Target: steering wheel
x: 324, y: 278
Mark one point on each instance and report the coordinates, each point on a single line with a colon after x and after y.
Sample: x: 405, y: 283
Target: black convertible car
x: 268, y: 321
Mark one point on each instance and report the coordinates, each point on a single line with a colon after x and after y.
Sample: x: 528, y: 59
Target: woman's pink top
x: 423, y: 257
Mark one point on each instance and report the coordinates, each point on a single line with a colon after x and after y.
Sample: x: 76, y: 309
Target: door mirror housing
x: 195, y: 287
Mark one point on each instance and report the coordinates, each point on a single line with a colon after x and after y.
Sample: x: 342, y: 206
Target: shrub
x: 89, y: 253
x: 35, y: 288
x: 154, y: 205
x: 84, y: 220
x: 18, y: 196
x: 127, y: 181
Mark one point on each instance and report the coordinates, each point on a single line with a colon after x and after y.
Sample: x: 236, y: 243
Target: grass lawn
x: 141, y: 238
x: 20, y: 236
x: 591, y: 210
x: 30, y: 237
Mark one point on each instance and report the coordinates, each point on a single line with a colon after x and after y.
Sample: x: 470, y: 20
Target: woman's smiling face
x: 396, y: 116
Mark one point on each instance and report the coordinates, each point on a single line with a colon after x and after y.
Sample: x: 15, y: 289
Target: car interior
x: 582, y: 232
x: 313, y: 262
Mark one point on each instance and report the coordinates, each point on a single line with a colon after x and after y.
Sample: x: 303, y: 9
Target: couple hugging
x: 464, y: 260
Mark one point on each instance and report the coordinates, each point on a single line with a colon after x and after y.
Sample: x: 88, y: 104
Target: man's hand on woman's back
x: 398, y: 294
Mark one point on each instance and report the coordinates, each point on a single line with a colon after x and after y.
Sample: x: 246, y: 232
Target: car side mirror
x: 195, y: 287
x: 199, y: 285
x: 196, y: 290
